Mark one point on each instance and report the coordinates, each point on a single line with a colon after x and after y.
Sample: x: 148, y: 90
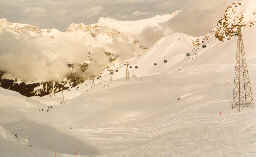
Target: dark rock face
x: 48, y: 87
x: 22, y: 88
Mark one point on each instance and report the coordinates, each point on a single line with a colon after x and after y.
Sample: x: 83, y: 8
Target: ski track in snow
x: 169, y: 114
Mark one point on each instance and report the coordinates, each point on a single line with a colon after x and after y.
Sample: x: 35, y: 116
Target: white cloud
x: 60, y: 13
x: 198, y: 14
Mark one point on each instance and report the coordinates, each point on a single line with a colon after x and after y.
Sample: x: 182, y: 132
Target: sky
x: 61, y: 13
x: 198, y: 15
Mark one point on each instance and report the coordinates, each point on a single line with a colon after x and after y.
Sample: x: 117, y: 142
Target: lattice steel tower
x: 127, y: 73
x: 242, y: 92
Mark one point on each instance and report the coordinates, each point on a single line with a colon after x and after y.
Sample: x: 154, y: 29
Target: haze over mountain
x: 173, y: 99
x: 59, y: 14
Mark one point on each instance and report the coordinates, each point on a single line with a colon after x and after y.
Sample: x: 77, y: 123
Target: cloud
x: 31, y: 60
x: 198, y: 14
x: 60, y: 13
x: 33, y: 57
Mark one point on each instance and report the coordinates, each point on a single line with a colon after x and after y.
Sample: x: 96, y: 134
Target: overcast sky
x: 60, y: 13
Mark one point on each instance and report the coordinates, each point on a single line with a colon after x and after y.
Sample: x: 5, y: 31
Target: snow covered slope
x: 97, y: 45
x: 176, y: 105
x: 136, y: 27
x: 166, y: 53
x: 178, y: 113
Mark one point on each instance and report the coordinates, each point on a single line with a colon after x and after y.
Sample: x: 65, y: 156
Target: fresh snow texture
x: 177, y: 108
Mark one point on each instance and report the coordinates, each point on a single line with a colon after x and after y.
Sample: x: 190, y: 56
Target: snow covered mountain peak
x: 137, y: 27
x: 93, y: 29
x: 48, y: 54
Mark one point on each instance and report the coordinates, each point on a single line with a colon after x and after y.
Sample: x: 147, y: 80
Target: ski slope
x: 178, y: 109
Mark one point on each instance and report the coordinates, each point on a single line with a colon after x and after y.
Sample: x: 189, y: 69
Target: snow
x: 52, y: 50
x: 172, y: 48
x: 129, y: 27
x: 178, y: 108
x: 170, y: 114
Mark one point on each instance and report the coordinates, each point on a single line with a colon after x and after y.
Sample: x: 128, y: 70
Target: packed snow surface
x: 183, y: 110
x: 174, y: 104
